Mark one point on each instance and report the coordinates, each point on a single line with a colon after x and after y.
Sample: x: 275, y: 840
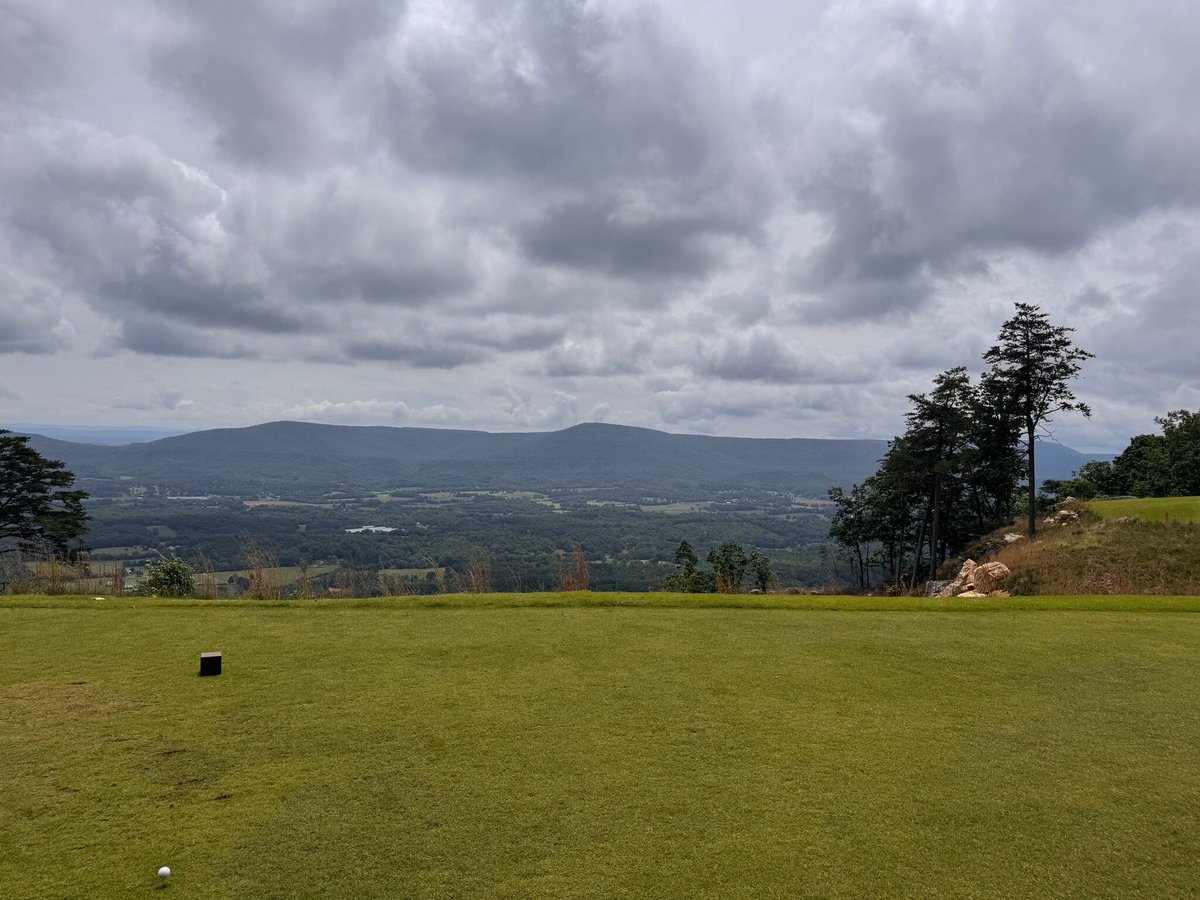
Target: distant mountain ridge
x: 306, y: 458
x: 95, y: 434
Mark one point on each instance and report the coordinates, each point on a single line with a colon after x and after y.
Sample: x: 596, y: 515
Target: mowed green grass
x: 1150, y: 509
x: 1039, y: 747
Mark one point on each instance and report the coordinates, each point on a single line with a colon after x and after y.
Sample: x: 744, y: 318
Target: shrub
x: 694, y: 583
x: 169, y: 578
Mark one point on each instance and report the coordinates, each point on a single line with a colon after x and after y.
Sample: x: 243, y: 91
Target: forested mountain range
x: 305, y: 459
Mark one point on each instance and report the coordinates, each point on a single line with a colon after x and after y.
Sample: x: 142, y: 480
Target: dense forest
x: 523, y: 537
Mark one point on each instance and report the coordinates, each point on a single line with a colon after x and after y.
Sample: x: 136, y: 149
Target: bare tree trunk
x: 933, y: 530
x: 920, y: 546
x: 1032, y: 481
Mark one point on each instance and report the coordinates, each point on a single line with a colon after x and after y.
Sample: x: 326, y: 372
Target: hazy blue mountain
x: 297, y: 458
x: 94, y: 434
x: 1056, y: 461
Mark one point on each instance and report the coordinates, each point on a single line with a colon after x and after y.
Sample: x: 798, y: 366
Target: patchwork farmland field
x: 602, y: 746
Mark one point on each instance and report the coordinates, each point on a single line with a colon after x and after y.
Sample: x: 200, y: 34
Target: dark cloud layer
x: 662, y: 214
x: 423, y: 355
x: 1007, y: 126
x: 551, y: 92
x: 158, y: 337
x: 262, y: 73
x: 34, y: 47
x: 597, y: 237
x: 30, y: 318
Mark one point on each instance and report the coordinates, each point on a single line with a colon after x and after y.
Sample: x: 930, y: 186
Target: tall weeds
x: 303, y: 588
x: 397, y: 585
x: 262, y: 570
x: 118, y: 578
x: 475, y: 578
x: 16, y: 574
x: 205, y: 575
x: 573, y: 573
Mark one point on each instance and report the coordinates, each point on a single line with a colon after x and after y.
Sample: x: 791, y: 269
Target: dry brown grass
x: 19, y: 575
x: 262, y: 568
x: 573, y: 573
x: 475, y: 578
x: 1091, y: 556
x: 205, y: 575
x: 304, y: 588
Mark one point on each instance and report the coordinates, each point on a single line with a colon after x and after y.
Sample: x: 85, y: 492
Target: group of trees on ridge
x: 953, y: 474
x: 1153, y: 465
x: 730, y: 566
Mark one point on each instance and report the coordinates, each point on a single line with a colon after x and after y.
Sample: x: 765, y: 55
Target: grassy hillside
x: 1150, y: 509
x: 1096, y: 554
x: 888, y: 747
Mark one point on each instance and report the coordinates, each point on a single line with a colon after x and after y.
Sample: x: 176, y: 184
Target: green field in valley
x: 1150, y: 509
x: 602, y: 746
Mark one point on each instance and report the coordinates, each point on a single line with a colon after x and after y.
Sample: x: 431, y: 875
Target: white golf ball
x: 164, y: 872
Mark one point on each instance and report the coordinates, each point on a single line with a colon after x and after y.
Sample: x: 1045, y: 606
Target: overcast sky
x: 763, y: 218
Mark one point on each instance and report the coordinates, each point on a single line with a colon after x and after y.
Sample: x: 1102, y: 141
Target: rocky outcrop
x: 991, y: 577
x: 964, y: 581
x: 974, y: 580
x: 1062, y: 517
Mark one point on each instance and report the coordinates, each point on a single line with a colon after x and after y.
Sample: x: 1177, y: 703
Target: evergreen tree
x: 687, y: 578
x: 685, y: 559
x: 1036, y: 362
x: 995, y: 465
x: 949, y: 478
x: 852, y: 527
x: 38, y: 514
x: 938, y: 437
x: 952, y: 475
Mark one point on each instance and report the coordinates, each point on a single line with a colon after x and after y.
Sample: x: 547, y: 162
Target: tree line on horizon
x: 730, y: 566
x: 1153, y: 465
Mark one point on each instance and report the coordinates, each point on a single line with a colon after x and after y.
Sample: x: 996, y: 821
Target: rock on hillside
x: 987, y: 580
x: 1077, y: 552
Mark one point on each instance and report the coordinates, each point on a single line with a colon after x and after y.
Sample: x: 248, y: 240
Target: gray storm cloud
x: 647, y: 208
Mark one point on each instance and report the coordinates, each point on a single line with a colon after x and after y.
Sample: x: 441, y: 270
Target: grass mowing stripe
x: 384, y: 750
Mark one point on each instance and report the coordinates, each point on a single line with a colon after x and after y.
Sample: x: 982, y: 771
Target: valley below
x: 402, y: 510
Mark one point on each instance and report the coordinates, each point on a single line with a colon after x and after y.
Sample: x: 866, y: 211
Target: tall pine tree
x: 1036, y: 362
x: 37, y: 512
